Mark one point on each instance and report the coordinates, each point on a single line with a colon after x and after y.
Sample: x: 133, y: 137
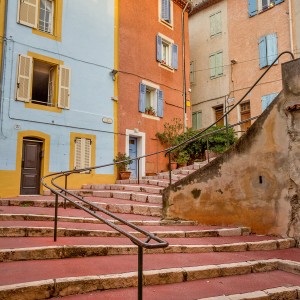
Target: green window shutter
x: 23, y: 88
x: 219, y: 63
x: 218, y: 22
x: 64, y: 87
x: 213, y: 25
x: 212, y: 65
x: 28, y: 13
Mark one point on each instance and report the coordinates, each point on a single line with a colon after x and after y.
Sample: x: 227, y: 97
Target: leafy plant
x: 150, y: 111
x: 123, y: 161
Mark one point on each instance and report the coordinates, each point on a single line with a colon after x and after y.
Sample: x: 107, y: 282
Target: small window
x: 166, y: 52
x: 268, y: 50
x: 218, y: 114
x: 82, y: 153
x: 197, y: 120
x: 165, y: 13
x: 151, y: 100
x: 245, y: 114
x: 43, y: 82
x: 267, y: 100
x: 192, y: 72
x: 46, y: 16
x: 258, y: 6
x: 216, y: 64
x: 215, y: 24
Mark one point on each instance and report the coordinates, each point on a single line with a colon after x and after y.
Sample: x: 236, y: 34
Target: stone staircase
x: 92, y: 261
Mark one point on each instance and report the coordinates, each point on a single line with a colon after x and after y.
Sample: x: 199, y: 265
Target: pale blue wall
x: 87, y: 47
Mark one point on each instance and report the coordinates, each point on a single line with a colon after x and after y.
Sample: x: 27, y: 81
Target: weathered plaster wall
x: 257, y: 182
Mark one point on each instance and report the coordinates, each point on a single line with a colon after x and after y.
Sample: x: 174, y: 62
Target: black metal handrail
x: 151, y: 241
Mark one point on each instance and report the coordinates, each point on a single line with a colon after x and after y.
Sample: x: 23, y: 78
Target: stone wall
x: 256, y: 183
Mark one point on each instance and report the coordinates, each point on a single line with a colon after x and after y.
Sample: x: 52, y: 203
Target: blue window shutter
x: 160, y: 103
x: 262, y: 52
x: 278, y: 1
x: 142, y: 99
x: 267, y: 100
x: 252, y: 7
x: 158, y: 48
x: 174, y: 56
x: 165, y: 10
x: 272, y: 51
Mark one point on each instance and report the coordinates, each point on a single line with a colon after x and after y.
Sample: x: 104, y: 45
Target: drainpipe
x: 183, y: 64
x: 291, y: 26
x: 2, y: 67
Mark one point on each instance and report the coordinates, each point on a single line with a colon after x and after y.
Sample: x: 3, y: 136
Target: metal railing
x: 149, y: 241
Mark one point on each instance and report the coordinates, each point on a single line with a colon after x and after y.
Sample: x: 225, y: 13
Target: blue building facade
x: 57, y: 109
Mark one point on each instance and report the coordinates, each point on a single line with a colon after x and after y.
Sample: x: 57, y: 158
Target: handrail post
x: 55, y: 217
x: 207, y: 149
x: 138, y: 170
x: 140, y: 272
x: 66, y: 186
x: 170, y: 173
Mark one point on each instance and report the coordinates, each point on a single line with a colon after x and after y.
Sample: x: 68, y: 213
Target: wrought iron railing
x: 149, y: 240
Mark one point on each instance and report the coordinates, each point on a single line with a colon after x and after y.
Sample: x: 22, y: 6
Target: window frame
x: 51, y: 18
x: 161, y: 19
x: 170, y: 62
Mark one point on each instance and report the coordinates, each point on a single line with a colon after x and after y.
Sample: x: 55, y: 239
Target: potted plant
x: 183, y: 158
x: 150, y: 111
x: 122, y: 162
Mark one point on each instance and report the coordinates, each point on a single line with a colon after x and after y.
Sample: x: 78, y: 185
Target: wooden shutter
x: 252, y: 7
x: 87, y: 153
x: 174, y: 56
x: 160, y: 103
x: 165, y: 10
x: 212, y: 25
x: 262, y: 52
x: 158, y: 48
x: 64, y: 87
x: 212, y: 65
x: 24, y: 78
x: 272, y: 50
x: 82, y: 153
x: 28, y: 13
x: 77, y: 156
x: 219, y: 63
x: 218, y: 22
x: 142, y: 98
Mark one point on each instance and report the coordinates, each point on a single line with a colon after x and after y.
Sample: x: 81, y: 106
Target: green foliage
x: 122, y: 161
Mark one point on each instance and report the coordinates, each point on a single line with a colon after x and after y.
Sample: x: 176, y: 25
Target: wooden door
x: 31, y: 167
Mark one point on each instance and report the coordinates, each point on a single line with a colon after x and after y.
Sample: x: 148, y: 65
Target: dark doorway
x: 31, y: 167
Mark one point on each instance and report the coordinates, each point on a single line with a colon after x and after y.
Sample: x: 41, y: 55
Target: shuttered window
x: 215, y: 24
x: 166, y: 10
x: 257, y: 6
x: 197, y: 120
x: 24, y: 78
x: 216, y: 64
x: 151, y: 100
x: 28, y: 13
x: 82, y: 153
x: 64, y: 87
x: 268, y: 50
x: 166, y: 52
x: 267, y: 100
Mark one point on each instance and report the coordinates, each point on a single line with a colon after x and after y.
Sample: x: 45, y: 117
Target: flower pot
x: 173, y: 165
x: 124, y: 175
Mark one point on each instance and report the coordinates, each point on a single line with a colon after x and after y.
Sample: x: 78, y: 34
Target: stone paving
x: 92, y: 261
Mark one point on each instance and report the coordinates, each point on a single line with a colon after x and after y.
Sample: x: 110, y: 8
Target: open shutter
x: 252, y: 7
x: 77, y: 157
x: 219, y: 63
x: 272, y: 50
x: 24, y: 78
x: 174, y: 56
x: 165, y: 10
x: 267, y: 100
x: 87, y: 153
x: 28, y: 13
x: 64, y: 87
x: 212, y: 65
x: 158, y: 48
x: 142, y: 98
x: 160, y: 103
x: 82, y: 154
x: 262, y: 52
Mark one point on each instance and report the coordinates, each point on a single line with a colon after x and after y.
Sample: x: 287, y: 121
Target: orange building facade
x: 150, y: 76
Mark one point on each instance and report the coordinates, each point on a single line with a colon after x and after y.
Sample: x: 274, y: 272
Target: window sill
x: 167, y: 24
x: 150, y: 117
x: 218, y: 76
x: 166, y: 67
x: 43, y: 107
x: 46, y: 35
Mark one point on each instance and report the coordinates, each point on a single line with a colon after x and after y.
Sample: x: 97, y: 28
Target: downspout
x: 291, y: 27
x: 183, y: 65
x: 2, y: 68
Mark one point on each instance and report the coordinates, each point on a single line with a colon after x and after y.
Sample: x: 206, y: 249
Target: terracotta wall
x: 256, y: 183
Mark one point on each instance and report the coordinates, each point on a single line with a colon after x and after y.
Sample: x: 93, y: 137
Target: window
x: 215, y: 24
x: 245, y: 114
x: 219, y: 114
x: 151, y: 100
x: 267, y: 100
x: 197, y: 120
x: 258, y: 6
x: 166, y: 52
x: 268, y: 50
x: 192, y: 72
x: 82, y: 157
x: 43, y: 81
x: 216, y: 64
x: 44, y: 16
x: 165, y: 11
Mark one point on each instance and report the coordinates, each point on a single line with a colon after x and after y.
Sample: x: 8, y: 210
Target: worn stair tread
x: 24, y: 271
x: 200, y: 289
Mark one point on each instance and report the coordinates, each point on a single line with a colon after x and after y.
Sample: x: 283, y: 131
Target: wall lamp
x: 113, y: 74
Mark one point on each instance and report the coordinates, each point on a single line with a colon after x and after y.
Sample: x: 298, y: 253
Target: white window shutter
x: 87, y: 153
x: 77, y: 156
x: 83, y: 154
x: 24, y: 78
x: 28, y: 13
x: 64, y: 87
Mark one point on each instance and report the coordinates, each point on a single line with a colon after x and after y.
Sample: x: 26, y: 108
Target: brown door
x: 219, y: 114
x: 245, y: 114
x: 31, y: 167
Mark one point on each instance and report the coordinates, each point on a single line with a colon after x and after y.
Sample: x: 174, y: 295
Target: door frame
x: 141, y: 147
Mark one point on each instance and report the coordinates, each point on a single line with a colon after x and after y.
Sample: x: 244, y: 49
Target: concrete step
x: 124, y: 187
x: 41, y: 284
